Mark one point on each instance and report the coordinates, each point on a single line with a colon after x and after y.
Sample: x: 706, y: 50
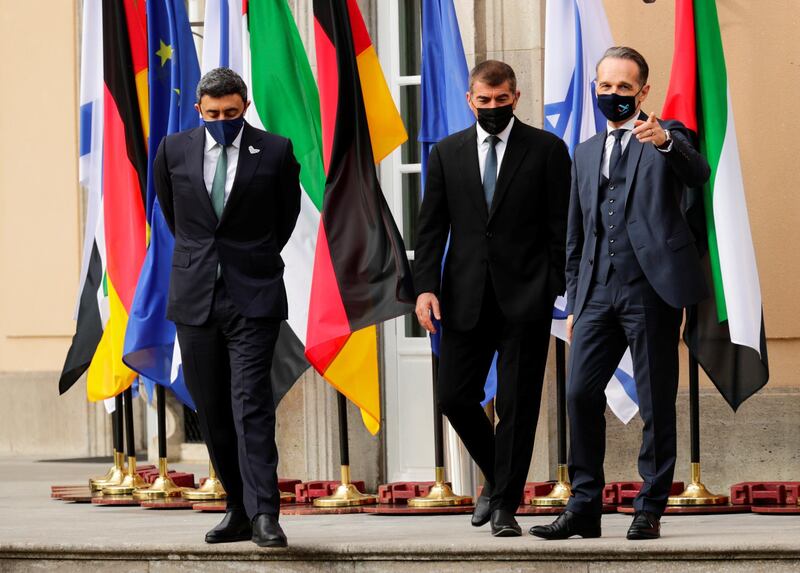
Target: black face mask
x: 495, y: 119
x: 617, y: 107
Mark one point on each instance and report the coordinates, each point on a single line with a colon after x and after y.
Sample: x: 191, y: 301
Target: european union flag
x: 173, y: 73
x: 445, y: 77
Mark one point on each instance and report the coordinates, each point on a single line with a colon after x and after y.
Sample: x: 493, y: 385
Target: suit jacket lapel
x: 596, y: 149
x: 635, y: 148
x: 245, y: 167
x: 472, y: 171
x: 195, y: 153
x: 512, y: 158
x: 634, y: 155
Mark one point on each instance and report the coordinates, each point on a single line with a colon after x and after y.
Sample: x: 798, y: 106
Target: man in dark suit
x: 631, y: 268
x: 499, y: 189
x: 230, y: 193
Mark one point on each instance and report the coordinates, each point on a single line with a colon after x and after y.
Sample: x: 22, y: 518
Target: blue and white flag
x: 576, y: 36
x: 222, y: 37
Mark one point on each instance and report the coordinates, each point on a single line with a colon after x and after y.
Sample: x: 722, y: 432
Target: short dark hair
x: 626, y: 53
x: 493, y: 73
x: 220, y: 82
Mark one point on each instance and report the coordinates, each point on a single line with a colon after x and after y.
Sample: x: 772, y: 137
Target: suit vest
x: 614, y: 249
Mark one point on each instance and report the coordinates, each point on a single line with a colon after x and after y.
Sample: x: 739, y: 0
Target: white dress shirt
x: 626, y: 137
x: 210, y: 158
x: 499, y: 147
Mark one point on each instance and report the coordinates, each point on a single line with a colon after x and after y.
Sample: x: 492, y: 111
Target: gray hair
x: 220, y: 82
x: 625, y: 53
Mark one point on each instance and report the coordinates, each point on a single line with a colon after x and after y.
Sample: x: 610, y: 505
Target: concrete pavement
x: 36, y: 532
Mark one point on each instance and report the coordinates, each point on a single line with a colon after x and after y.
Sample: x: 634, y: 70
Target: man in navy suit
x: 230, y: 194
x: 631, y: 268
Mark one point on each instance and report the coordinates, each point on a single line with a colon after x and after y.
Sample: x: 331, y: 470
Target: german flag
x: 124, y: 184
x: 361, y: 275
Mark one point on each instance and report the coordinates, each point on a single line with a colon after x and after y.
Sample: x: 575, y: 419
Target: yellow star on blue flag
x: 164, y: 52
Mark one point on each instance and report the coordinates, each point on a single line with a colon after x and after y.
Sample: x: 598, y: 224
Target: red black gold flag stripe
x: 136, y: 20
x: 124, y: 185
x: 361, y: 275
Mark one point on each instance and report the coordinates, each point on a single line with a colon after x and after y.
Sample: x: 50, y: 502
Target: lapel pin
x: 253, y: 150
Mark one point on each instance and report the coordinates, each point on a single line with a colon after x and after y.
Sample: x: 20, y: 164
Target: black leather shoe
x: 235, y: 526
x: 645, y: 525
x: 504, y: 524
x: 482, y: 512
x: 568, y: 524
x: 267, y: 532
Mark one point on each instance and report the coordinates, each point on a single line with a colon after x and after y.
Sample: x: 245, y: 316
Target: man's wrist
x: 667, y: 144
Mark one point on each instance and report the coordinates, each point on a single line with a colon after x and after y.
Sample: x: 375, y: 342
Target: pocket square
x: 253, y: 150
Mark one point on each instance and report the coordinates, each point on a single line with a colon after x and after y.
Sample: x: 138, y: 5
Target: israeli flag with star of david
x: 576, y: 36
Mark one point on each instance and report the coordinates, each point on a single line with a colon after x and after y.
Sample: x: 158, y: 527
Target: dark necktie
x: 490, y: 171
x: 616, y: 151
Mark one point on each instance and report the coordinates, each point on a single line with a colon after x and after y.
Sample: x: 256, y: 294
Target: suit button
x: 610, y: 200
x: 610, y: 213
x: 610, y: 254
x: 489, y: 234
x: 611, y: 241
x: 611, y: 187
x: 591, y: 262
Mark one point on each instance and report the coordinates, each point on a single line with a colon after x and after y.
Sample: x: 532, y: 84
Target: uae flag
x: 124, y: 168
x: 725, y: 333
x: 361, y: 275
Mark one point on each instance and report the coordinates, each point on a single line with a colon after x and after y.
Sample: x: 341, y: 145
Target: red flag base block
x: 693, y: 509
x: 404, y: 509
x: 309, y: 491
x: 624, y: 492
x: 167, y: 503
x: 400, y: 492
x: 776, y: 509
x: 761, y: 493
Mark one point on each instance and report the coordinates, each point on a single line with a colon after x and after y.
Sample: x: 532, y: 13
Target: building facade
x: 42, y: 209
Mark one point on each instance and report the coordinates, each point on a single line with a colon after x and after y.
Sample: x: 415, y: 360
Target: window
x: 407, y: 77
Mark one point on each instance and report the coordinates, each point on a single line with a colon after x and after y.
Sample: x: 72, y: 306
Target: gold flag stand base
x: 440, y: 495
x: 346, y: 495
x: 162, y: 487
x: 211, y: 490
x: 287, y: 497
x: 696, y: 493
x: 560, y: 494
x: 131, y: 483
x: 114, y: 476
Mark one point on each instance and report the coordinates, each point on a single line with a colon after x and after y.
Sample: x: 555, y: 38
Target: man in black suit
x: 631, y: 268
x: 230, y: 193
x: 499, y: 189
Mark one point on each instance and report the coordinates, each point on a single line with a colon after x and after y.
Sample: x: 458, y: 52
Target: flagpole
x: 441, y: 493
x: 696, y: 492
x: 132, y: 479
x: 346, y: 495
x: 116, y: 473
x: 163, y: 486
x: 559, y: 495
